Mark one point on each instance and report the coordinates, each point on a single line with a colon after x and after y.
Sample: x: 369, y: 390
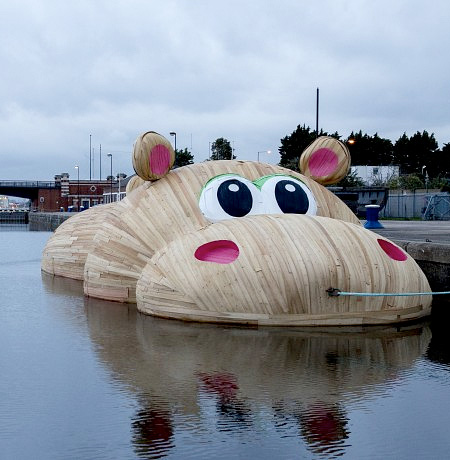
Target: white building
x: 376, y: 175
x: 4, y: 202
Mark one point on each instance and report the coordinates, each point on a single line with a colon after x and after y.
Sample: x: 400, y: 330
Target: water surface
x: 89, y: 379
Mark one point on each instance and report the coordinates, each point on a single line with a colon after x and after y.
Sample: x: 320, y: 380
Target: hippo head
x: 266, y: 245
x: 238, y: 242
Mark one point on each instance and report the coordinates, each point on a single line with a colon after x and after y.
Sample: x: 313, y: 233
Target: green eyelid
x: 214, y: 178
x: 262, y: 180
x: 258, y: 182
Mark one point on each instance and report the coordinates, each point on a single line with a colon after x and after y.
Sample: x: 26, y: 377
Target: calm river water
x: 88, y: 379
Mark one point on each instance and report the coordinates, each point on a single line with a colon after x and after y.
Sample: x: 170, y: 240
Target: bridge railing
x: 27, y: 183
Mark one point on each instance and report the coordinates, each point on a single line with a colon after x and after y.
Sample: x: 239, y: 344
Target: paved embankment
x: 428, y: 242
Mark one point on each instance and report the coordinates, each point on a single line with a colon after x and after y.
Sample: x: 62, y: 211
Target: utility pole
x: 90, y: 156
x: 317, y: 113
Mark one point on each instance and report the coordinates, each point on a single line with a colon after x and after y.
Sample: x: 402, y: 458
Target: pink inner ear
x: 323, y: 162
x: 218, y: 251
x: 159, y: 159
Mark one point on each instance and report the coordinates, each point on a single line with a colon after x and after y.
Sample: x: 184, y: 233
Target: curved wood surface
x: 66, y: 251
x: 162, y: 211
x: 281, y: 275
x: 315, y: 160
x: 286, y: 261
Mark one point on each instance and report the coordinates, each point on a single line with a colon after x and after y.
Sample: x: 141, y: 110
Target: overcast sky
x: 243, y: 70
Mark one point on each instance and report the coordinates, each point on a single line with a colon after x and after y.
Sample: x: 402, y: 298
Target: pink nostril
x: 391, y: 250
x: 219, y: 251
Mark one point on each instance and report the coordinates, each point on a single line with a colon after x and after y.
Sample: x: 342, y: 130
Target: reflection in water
x: 233, y: 412
x: 209, y: 381
x: 439, y: 348
x: 152, y: 433
x: 324, y: 428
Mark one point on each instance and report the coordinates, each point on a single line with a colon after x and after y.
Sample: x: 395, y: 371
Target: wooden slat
x: 142, y: 249
x: 308, y: 255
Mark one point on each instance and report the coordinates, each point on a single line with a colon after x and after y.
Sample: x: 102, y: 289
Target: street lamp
x: 424, y: 167
x: 263, y: 151
x: 78, y: 172
x: 173, y: 133
x: 110, y: 176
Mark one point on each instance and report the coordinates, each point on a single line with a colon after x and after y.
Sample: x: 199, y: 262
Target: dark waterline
x: 88, y: 379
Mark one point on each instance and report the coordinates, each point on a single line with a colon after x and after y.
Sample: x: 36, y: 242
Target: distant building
x: 118, y: 190
x: 4, y: 202
x: 376, y: 175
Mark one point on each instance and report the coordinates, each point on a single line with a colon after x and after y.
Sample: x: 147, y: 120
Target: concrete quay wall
x: 433, y: 259
x: 47, y: 221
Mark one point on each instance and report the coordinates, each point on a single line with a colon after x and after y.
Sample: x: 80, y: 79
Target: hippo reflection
x: 307, y: 379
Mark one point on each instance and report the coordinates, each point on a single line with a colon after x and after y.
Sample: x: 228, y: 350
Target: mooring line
x: 334, y: 292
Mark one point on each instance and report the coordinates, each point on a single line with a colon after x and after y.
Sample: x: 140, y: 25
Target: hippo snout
x: 276, y: 269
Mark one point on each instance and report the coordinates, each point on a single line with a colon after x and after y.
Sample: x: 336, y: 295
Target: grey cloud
x: 247, y: 71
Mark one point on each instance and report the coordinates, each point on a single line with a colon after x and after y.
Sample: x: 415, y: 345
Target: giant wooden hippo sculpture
x: 238, y: 242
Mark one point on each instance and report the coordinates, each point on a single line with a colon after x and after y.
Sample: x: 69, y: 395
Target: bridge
x: 60, y: 194
x: 24, y: 189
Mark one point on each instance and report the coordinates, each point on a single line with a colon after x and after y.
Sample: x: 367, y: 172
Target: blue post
x: 372, y: 211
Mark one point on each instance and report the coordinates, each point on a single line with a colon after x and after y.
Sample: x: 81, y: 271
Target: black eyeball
x: 235, y: 197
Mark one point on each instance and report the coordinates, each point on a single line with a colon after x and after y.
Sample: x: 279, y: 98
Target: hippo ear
x: 134, y: 183
x: 153, y: 156
x: 326, y: 160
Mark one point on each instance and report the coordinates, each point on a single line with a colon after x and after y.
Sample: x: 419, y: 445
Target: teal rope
x: 333, y: 292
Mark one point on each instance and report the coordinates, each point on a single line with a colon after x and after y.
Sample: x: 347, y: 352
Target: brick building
x: 67, y: 195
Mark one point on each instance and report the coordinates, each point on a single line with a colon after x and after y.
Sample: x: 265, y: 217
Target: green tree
x: 444, y: 161
x: 293, y: 145
x: 407, y: 182
x: 221, y: 150
x: 183, y: 157
x: 438, y: 182
x: 417, y: 151
x: 370, y: 150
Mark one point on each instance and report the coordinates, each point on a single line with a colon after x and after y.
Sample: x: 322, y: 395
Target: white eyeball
x: 287, y: 195
x: 229, y: 196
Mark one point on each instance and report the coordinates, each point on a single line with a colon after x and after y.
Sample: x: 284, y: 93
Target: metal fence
x: 27, y: 184
x: 13, y: 217
x: 427, y: 206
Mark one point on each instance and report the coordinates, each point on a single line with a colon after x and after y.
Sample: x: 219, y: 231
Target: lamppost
x: 173, y: 133
x: 317, y: 112
x: 424, y: 167
x: 90, y: 155
x: 110, y: 176
x: 263, y: 151
x: 78, y: 180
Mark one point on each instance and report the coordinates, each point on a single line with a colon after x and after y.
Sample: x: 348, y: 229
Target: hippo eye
x: 230, y: 196
x: 287, y: 195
